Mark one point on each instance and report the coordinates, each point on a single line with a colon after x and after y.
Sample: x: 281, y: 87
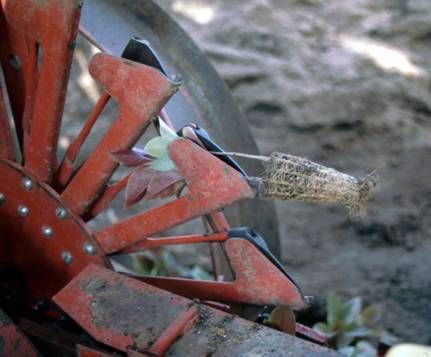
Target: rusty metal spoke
x: 54, y: 25
x: 6, y: 144
x: 141, y: 92
x: 67, y: 165
x: 198, y: 168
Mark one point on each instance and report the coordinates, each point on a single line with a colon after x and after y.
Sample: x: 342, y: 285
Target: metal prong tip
x: 23, y: 211
x: 2, y: 198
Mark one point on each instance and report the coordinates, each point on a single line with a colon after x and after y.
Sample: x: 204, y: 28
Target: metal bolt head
x: 177, y: 78
x: 89, y: 248
x: 47, y: 231
x: 67, y: 257
x: 61, y: 212
x: 23, y: 211
x: 2, y: 198
x: 27, y: 184
x: 308, y: 299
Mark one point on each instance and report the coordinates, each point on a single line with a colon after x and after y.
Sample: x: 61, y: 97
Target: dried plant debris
x: 288, y: 177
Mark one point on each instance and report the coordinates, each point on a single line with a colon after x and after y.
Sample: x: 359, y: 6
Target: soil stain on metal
x: 140, y: 316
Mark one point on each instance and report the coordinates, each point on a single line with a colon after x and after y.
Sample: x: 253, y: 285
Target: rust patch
x: 129, y: 313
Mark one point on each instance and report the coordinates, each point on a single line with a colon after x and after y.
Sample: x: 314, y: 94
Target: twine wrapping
x: 288, y: 177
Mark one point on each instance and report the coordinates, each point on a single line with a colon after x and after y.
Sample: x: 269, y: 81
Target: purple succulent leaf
x: 132, y: 158
x: 137, y: 185
x: 164, y: 184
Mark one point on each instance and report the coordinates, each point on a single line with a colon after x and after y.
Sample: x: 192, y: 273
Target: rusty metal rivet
x: 23, y: 211
x: 2, y: 198
x: 89, y: 248
x: 61, y: 212
x: 67, y: 257
x: 47, y: 231
x: 26, y: 183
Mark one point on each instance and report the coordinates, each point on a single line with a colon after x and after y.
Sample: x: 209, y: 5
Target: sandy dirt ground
x: 345, y: 83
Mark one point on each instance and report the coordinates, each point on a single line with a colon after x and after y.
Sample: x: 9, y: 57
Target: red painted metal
x: 219, y: 221
x: 6, y: 146
x: 151, y: 243
x: 311, y: 334
x: 67, y: 165
x: 18, y: 61
x: 124, y: 313
x: 183, y: 322
x: 23, y: 244
x: 256, y: 281
x: 141, y: 92
x: 121, y: 312
x: 212, y: 185
x: 83, y: 300
x: 105, y: 198
x: 53, y: 25
x: 12, y: 341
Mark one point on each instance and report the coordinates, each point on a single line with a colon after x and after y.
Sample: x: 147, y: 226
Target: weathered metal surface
x: 311, y: 334
x: 6, y: 145
x: 26, y: 243
x: 178, y: 327
x: 53, y: 25
x: 141, y: 92
x: 256, y: 281
x: 220, y: 334
x: 151, y: 243
x: 211, y: 185
x: 18, y: 60
x: 203, y: 97
x: 13, y: 343
x: 64, y: 172
x: 120, y: 312
x: 106, y: 197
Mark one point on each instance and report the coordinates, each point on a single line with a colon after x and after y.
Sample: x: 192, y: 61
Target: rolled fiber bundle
x: 288, y: 177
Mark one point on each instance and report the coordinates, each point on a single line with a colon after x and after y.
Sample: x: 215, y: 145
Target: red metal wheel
x: 43, y: 38
x: 44, y: 204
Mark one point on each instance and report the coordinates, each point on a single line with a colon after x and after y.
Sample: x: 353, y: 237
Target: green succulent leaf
x: 158, y: 146
x: 347, y: 323
x: 351, y: 333
x: 322, y: 327
x: 352, y: 310
x: 370, y: 315
x: 364, y: 349
x: 335, y: 310
x: 163, y: 163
